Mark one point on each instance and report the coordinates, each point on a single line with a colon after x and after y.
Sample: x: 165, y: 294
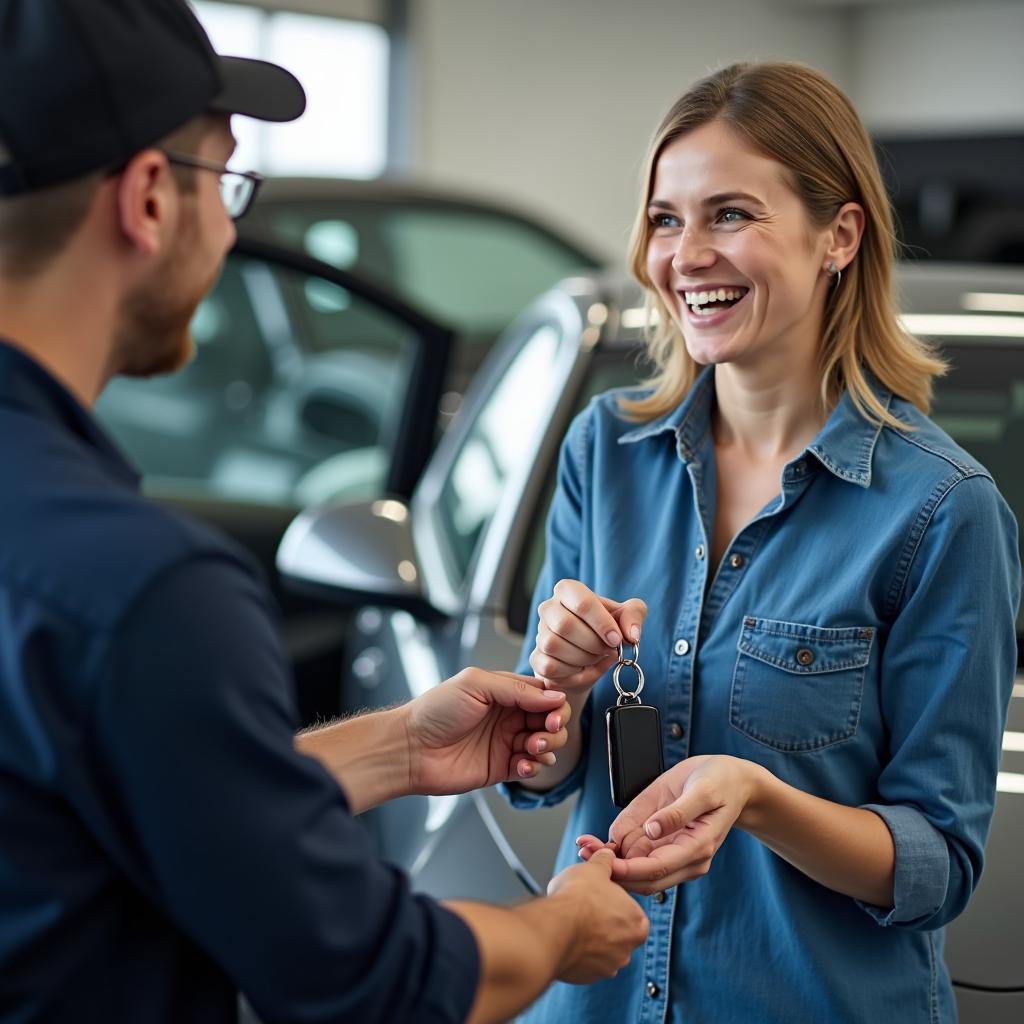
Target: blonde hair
x: 796, y: 116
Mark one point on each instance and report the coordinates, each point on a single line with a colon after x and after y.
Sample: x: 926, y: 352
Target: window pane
x: 294, y: 396
x: 472, y: 269
x: 343, y: 66
x: 981, y: 404
x: 475, y: 270
x: 501, y: 438
x: 607, y: 370
x: 236, y: 31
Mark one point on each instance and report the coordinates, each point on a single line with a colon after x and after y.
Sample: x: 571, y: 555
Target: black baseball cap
x: 87, y: 84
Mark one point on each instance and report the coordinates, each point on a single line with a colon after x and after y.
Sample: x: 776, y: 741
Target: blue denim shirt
x: 857, y: 640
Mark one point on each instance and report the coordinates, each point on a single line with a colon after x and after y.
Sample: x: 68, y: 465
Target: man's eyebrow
x: 715, y: 200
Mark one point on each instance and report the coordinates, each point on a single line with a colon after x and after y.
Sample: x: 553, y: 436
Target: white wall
x: 550, y: 104
x: 943, y: 67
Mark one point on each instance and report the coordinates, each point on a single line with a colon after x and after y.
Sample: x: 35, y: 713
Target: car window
x: 294, y: 395
x: 606, y: 370
x: 472, y: 269
x: 980, y: 404
x: 501, y: 437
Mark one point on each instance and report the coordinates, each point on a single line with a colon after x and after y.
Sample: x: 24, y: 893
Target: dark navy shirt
x: 161, y: 842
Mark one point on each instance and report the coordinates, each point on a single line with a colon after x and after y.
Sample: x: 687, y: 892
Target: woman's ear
x: 146, y: 201
x: 846, y: 232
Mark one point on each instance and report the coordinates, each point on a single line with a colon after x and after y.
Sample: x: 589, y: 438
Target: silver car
x: 446, y: 579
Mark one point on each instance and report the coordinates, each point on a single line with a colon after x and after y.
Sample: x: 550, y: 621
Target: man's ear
x: 147, y: 201
x: 847, y: 231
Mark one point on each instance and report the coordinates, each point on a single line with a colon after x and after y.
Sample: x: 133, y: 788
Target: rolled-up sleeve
x: 947, y: 675
x: 246, y: 844
x: 561, y: 561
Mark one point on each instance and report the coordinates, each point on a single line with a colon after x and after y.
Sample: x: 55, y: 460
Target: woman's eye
x: 664, y: 220
x: 731, y: 215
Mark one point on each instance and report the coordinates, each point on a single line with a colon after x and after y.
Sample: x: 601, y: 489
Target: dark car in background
x: 469, y: 263
x: 446, y: 580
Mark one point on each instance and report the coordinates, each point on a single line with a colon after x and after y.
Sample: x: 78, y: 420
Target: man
x: 164, y: 840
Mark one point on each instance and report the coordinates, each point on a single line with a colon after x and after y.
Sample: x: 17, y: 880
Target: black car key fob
x: 634, y: 738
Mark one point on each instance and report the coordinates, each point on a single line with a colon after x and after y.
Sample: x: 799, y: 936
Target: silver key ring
x: 632, y: 663
x: 634, y: 659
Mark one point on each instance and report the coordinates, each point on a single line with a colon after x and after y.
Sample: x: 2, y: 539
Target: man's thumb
x: 604, y: 859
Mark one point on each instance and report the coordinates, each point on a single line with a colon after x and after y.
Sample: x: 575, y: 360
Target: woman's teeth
x: 697, y: 299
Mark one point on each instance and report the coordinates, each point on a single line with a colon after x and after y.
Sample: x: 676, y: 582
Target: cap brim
x: 256, y: 88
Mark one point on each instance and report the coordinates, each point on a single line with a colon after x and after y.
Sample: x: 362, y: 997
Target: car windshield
x: 980, y: 404
x: 473, y: 269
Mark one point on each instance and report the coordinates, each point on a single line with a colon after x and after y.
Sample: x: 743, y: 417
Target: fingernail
x: 613, y: 638
x: 542, y: 745
x: 553, y: 695
x: 653, y: 830
x: 525, y: 769
x: 556, y: 724
x: 635, y: 634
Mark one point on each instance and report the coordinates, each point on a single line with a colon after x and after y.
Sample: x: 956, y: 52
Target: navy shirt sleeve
x: 246, y: 844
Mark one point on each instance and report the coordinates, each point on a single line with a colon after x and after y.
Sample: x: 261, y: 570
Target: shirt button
x: 682, y: 647
x: 736, y: 561
x: 699, y: 552
x: 659, y: 897
x: 675, y: 730
x: 799, y: 466
x: 652, y: 990
x: 804, y: 656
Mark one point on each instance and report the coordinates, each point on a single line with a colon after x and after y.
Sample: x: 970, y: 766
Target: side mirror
x: 356, y: 554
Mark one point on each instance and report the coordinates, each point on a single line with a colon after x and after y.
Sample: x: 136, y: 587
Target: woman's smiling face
x: 732, y: 253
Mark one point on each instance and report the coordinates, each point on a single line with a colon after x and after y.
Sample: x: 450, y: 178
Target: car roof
x: 399, y: 192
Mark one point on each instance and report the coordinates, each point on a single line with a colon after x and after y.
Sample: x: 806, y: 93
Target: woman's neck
x: 768, y: 415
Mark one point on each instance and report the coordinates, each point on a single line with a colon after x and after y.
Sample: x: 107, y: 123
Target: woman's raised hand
x: 579, y: 634
x: 671, y: 832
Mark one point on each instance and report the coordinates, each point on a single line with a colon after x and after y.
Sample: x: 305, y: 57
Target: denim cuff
x: 922, y: 866
x: 530, y: 799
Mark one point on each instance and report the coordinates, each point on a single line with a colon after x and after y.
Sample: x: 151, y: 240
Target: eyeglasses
x: 237, y: 188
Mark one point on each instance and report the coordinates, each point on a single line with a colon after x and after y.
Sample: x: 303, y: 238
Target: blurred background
x: 549, y: 104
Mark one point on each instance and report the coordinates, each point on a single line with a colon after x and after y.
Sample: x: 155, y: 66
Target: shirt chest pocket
x: 797, y: 687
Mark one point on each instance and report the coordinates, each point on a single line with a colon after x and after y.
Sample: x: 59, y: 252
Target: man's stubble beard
x: 153, y: 335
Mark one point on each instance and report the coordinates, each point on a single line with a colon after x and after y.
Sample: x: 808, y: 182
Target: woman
x: 831, y: 583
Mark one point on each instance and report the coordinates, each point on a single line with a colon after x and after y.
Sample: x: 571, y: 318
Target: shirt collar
x: 689, y: 420
x: 27, y: 386
x: 844, y: 445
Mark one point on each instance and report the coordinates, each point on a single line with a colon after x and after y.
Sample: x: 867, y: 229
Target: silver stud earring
x: 835, y: 273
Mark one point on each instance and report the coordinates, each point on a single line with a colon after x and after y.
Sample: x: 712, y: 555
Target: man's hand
x: 611, y: 923
x: 671, y: 832
x: 579, y: 633
x: 479, y: 728
x: 583, y: 931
